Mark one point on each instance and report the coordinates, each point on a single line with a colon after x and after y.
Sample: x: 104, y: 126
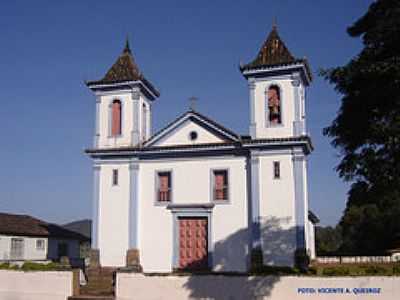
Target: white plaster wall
x: 17, y: 285
x: 306, y: 205
x: 30, y: 251
x: 311, y: 239
x: 144, y: 101
x: 127, y: 121
x: 287, y: 99
x: 180, y: 135
x: 138, y: 286
x: 113, y: 214
x: 277, y: 214
x: 191, y: 184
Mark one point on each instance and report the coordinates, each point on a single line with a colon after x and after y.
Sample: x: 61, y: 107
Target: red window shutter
x: 116, y: 118
x: 219, y: 186
x: 164, y: 187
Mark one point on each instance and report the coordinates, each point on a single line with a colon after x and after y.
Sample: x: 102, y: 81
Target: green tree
x: 366, y: 131
x: 328, y: 240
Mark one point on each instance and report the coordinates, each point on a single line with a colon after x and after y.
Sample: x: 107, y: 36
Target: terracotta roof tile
x: 24, y: 225
x: 123, y: 70
x: 274, y: 53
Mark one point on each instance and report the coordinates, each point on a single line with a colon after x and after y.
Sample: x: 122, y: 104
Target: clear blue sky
x: 48, y: 48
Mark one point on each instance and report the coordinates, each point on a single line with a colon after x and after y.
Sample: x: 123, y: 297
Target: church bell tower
x: 124, y: 99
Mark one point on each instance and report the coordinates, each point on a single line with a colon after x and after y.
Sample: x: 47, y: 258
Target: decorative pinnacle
x: 274, y: 23
x: 127, y: 48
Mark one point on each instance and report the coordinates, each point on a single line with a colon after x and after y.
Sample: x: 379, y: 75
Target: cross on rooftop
x: 192, y: 102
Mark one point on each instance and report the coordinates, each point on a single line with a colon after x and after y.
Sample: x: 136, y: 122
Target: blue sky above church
x: 185, y: 49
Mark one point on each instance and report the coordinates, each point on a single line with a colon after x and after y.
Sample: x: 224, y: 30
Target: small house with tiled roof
x: 25, y: 238
x: 196, y: 195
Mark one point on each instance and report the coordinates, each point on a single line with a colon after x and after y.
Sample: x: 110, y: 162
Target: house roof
x: 274, y: 53
x: 221, y: 131
x: 24, y: 225
x: 313, y: 217
x: 123, y: 70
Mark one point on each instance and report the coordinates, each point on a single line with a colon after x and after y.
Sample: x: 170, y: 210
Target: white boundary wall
x: 139, y: 286
x: 18, y: 285
x: 356, y: 259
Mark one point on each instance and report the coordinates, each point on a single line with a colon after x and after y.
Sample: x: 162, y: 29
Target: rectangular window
x: 40, y: 244
x: 277, y: 170
x: 115, y: 177
x: 221, y: 185
x: 164, y: 186
x: 17, y: 248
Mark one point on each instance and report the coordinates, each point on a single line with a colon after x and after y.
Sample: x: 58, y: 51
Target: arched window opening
x: 274, y: 105
x: 116, y: 118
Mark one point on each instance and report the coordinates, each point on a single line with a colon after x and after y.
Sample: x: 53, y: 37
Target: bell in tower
x: 277, y: 82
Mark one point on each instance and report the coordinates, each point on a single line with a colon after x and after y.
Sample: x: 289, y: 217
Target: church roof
x: 274, y: 53
x: 241, y: 144
x: 124, y: 69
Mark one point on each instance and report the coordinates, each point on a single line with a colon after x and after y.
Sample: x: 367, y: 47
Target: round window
x: 193, y: 135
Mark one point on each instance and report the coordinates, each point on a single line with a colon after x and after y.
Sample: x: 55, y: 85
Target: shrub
x: 31, y: 266
x: 336, y: 271
x: 8, y: 266
x: 376, y: 270
x: 396, y: 269
x: 4, y: 266
x: 302, y: 259
x: 312, y: 271
x: 276, y: 270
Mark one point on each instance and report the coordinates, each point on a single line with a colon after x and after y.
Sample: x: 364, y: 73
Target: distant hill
x: 81, y: 226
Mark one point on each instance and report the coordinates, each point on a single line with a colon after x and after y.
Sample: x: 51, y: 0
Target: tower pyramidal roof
x: 274, y: 53
x: 123, y: 70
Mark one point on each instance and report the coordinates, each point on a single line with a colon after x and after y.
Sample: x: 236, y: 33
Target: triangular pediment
x: 191, y: 128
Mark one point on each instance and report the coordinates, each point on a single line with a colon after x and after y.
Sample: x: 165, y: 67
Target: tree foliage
x: 366, y: 131
x: 328, y: 240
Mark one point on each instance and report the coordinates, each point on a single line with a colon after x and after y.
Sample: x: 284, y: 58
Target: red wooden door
x: 193, y: 248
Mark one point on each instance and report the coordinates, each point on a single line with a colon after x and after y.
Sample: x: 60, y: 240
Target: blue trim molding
x: 134, y: 205
x: 298, y: 128
x: 96, y: 206
x: 97, y: 123
x: 252, y: 105
x: 136, y: 113
x: 299, y: 198
x: 255, y: 200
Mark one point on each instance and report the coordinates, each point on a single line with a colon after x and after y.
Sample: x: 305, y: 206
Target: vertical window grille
x: 164, y: 187
x: 220, y: 185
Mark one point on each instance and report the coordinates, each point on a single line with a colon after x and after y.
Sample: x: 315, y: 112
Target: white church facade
x: 196, y: 195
